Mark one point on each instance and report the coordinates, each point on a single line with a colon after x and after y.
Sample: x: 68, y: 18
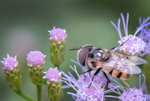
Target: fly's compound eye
x: 82, y: 53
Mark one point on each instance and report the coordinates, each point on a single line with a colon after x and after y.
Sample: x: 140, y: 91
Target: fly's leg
x: 87, y: 71
x: 97, y: 71
x: 108, y: 81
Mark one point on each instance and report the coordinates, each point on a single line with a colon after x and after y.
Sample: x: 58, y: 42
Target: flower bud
x: 54, y: 84
x: 35, y: 61
x: 57, y: 45
x: 11, y: 71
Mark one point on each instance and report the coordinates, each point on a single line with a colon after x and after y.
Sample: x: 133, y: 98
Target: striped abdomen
x: 116, y: 73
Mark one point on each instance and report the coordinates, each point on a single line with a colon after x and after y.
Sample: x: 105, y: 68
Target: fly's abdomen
x: 117, y: 74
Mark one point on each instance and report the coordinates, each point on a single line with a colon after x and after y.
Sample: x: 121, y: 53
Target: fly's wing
x: 122, y: 64
x: 134, y: 59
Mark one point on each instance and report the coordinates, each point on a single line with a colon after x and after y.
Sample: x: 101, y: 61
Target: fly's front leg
x: 97, y: 71
x: 87, y: 71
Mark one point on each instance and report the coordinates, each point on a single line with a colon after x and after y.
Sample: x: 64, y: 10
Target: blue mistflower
x: 57, y: 45
x: 11, y: 71
x: 145, y: 35
x: 35, y: 61
x: 133, y: 44
x: 134, y: 94
x: 52, y: 74
x: 35, y: 58
x: 54, y: 84
x: 10, y: 63
x: 58, y: 34
x: 95, y: 92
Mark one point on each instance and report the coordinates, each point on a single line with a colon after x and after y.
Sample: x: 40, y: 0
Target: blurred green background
x: 24, y: 27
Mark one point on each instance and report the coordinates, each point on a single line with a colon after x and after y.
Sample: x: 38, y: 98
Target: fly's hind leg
x: 108, y: 81
x: 97, y: 71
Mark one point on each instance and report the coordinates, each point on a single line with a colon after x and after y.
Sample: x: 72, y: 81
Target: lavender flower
x: 53, y: 75
x: 57, y: 34
x: 10, y: 63
x: 145, y: 35
x: 134, y: 94
x: 35, y: 61
x: 54, y: 84
x: 84, y: 92
x: 35, y: 58
x: 11, y: 71
x: 133, y: 44
x: 57, y: 45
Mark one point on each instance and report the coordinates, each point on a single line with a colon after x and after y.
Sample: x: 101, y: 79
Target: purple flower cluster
x: 135, y: 94
x: 145, y: 35
x: 97, y: 91
x: 10, y: 63
x: 52, y: 74
x: 58, y: 34
x: 35, y: 58
x: 84, y: 93
x: 86, y: 88
x: 133, y: 44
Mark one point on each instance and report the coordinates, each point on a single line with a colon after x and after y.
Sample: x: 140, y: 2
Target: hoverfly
x: 110, y: 62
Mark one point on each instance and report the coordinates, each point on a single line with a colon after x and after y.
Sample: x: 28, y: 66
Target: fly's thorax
x: 97, y: 55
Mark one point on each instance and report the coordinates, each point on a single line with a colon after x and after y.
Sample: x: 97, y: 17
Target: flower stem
x: 20, y: 93
x: 39, y: 92
x: 56, y: 66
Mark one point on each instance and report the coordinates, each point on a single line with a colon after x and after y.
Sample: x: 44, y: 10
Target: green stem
x: 39, y: 92
x: 20, y: 93
x: 56, y: 66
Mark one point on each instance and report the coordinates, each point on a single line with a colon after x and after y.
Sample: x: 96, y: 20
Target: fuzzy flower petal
x: 53, y: 74
x: 10, y: 62
x: 35, y: 58
x: 11, y: 71
x: 86, y: 89
x: 54, y: 84
x: 145, y: 35
x: 134, y: 94
x: 58, y: 34
x: 133, y: 44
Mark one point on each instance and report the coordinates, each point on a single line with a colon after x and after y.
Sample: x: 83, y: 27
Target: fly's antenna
x: 115, y: 48
x: 124, y: 42
x: 75, y: 48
